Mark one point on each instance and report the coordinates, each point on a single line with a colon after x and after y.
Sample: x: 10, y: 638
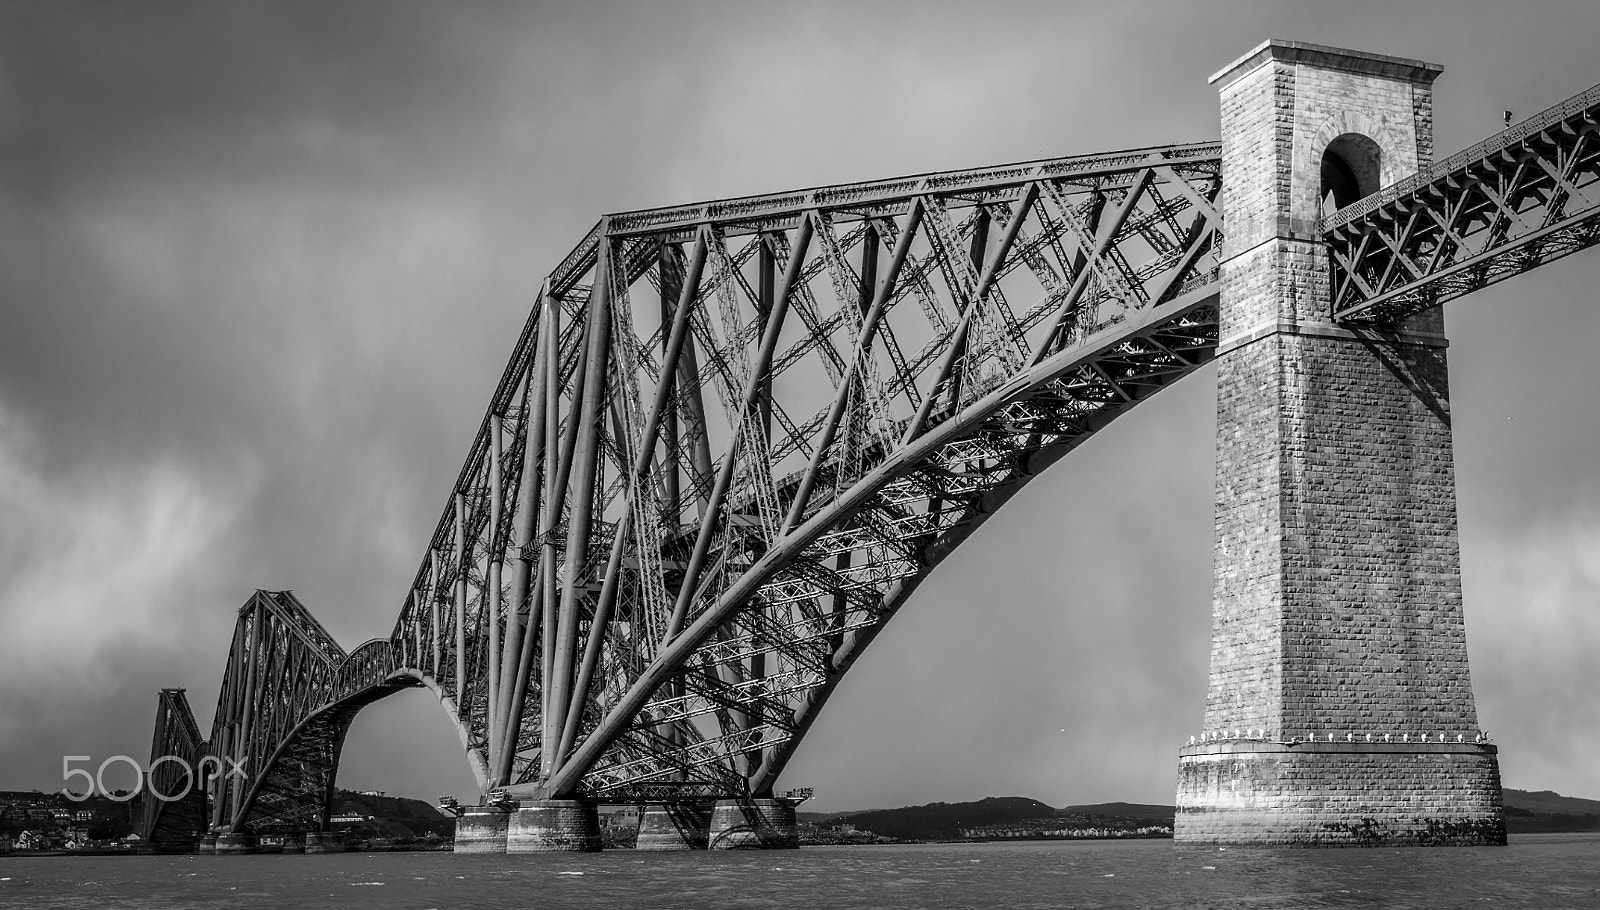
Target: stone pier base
x: 294, y: 843
x: 324, y: 842
x: 208, y: 843
x: 232, y: 844
x: 554, y: 825
x: 482, y: 829
x: 1340, y: 794
x: 680, y: 826
x: 754, y: 824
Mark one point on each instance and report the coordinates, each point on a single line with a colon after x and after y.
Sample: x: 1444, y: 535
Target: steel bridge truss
x: 1515, y: 201
x: 289, y: 694
x: 173, y: 809
x: 734, y: 437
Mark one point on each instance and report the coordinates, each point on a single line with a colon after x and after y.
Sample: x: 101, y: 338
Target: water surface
x: 1536, y: 871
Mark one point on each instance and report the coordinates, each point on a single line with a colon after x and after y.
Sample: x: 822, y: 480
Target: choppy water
x: 1536, y: 871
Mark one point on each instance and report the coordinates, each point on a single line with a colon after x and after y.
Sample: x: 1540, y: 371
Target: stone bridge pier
x: 1339, y: 708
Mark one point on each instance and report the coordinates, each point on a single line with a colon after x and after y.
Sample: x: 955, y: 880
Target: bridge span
x: 733, y: 438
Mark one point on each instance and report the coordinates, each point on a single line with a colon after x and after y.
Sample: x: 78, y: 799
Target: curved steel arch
x: 294, y: 790
x: 289, y: 696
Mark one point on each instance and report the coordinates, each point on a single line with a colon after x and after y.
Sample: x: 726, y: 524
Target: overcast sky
x: 261, y: 266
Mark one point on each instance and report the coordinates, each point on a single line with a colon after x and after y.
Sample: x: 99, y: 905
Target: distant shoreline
x: 43, y: 854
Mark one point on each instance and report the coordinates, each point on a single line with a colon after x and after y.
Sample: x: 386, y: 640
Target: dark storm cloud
x: 149, y: 148
x: 226, y: 228
x: 260, y: 265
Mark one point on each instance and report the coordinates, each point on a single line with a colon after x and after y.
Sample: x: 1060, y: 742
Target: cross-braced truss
x: 733, y: 438
x: 1515, y: 201
x: 173, y: 808
x: 289, y: 693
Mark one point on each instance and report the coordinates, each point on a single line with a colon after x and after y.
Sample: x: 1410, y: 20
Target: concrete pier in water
x: 554, y: 825
x: 675, y: 826
x: 482, y: 829
x: 754, y: 824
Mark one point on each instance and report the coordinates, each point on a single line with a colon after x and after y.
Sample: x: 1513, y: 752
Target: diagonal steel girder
x: 1515, y: 201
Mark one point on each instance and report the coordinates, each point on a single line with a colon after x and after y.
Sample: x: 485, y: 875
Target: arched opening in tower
x: 1350, y: 170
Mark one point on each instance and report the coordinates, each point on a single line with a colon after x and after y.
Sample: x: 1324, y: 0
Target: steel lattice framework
x: 289, y: 693
x: 1515, y: 201
x: 174, y: 804
x: 733, y: 438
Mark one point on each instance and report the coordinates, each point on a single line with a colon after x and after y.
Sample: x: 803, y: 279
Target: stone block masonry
x: 1338, y: 597
x: 554, y: 826
x: 754, y: 824
x: 1337, y: 592
x: 1333, y: 795
x: 482, y: 829
x: 674, y: 826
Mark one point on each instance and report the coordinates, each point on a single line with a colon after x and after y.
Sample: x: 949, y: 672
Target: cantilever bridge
x: 733, y: 439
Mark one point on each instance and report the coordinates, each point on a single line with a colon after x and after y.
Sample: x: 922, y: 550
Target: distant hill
x: 1546, y: 811
x: 817, y: 818
x: 392, y: 816
x: 942, y: 821
x: 1549, y: 802
x: 1526, y: 812
x: 1542, y: 811
x: 1163, y: 814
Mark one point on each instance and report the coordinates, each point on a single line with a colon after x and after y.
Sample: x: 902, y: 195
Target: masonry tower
x: 1339, y: 708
